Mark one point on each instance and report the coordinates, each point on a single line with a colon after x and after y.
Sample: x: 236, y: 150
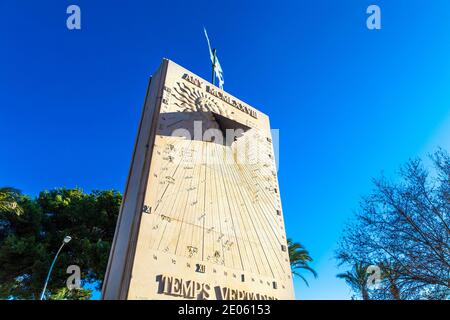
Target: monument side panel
x: 118, y: 273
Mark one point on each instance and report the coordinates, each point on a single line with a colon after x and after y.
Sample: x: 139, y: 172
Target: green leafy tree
x: 30, y: 237
x: 31, y: 231
x: 8, y: 200
x: 300, y: 260
x: 74, y: 294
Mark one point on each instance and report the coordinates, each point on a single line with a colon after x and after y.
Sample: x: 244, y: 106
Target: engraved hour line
x: 224, y: 193
x: 183, y: 197
x: 233, y: 228
x: 207, y: 208
x: 263, y: 204
x: 221, y: 168
x: 220, y: 222
x: 181, y: 200
x: 242, y: 199
x: 230, y: 210
x: 246, y: 194
x: 252, y: 215
x: 172, y: 176
x: 181, y: 159
x: 182, y: 205
x: 197, y: 173
x: 173, y: 203
x: 165, y: 175
x: 268, y: 242
x: 229, y: 188
x: 204, y: 201
x: 247, y: 243
x: 232, y: 250
x: 216, y: 213
x: 202, y: 211
x: 228, y: 170
x: 270, y: 201
x: 168, y: 208
x: 160, y: 196
x: 267, y: 212
x: 223, y: 230
x: 277, y: 249
x: 246, y: 174
x: 270, y: 216
x: 184, y: 210
x: 262, y: 185
x: 193, y: 211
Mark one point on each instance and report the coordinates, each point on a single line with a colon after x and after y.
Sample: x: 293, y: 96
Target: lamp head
x: 67, y: 239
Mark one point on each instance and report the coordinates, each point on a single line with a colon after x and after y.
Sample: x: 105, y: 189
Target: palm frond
x: 300, y: 259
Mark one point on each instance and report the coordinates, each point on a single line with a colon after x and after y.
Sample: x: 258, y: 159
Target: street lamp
x: 65, y: 240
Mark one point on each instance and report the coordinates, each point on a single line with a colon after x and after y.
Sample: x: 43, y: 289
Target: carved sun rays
x: 190, y: 99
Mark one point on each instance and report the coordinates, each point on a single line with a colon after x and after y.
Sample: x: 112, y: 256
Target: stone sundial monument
x: 201, y: 216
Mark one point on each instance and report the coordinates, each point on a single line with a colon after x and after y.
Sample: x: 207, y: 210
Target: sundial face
x: 212, y: 226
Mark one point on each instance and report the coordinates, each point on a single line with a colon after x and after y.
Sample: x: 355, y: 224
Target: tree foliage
x: 8, y: 200
x: 356, y: 278
x: 300, y: 259
x: 403, y: 228
x: 30, y: 237
x: 31, y: 231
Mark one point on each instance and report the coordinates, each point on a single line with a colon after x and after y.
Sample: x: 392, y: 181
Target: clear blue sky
x: 349, y: 102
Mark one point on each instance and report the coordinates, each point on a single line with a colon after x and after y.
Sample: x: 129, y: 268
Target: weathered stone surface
x: 202, y: 216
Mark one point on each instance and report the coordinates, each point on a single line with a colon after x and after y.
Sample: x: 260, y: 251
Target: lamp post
x: 65, y: 240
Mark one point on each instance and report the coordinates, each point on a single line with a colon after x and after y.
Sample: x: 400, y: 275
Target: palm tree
x: 390, y: 273
x: 300, y: 259
x: 8, y: 200
x: 356, y: 278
